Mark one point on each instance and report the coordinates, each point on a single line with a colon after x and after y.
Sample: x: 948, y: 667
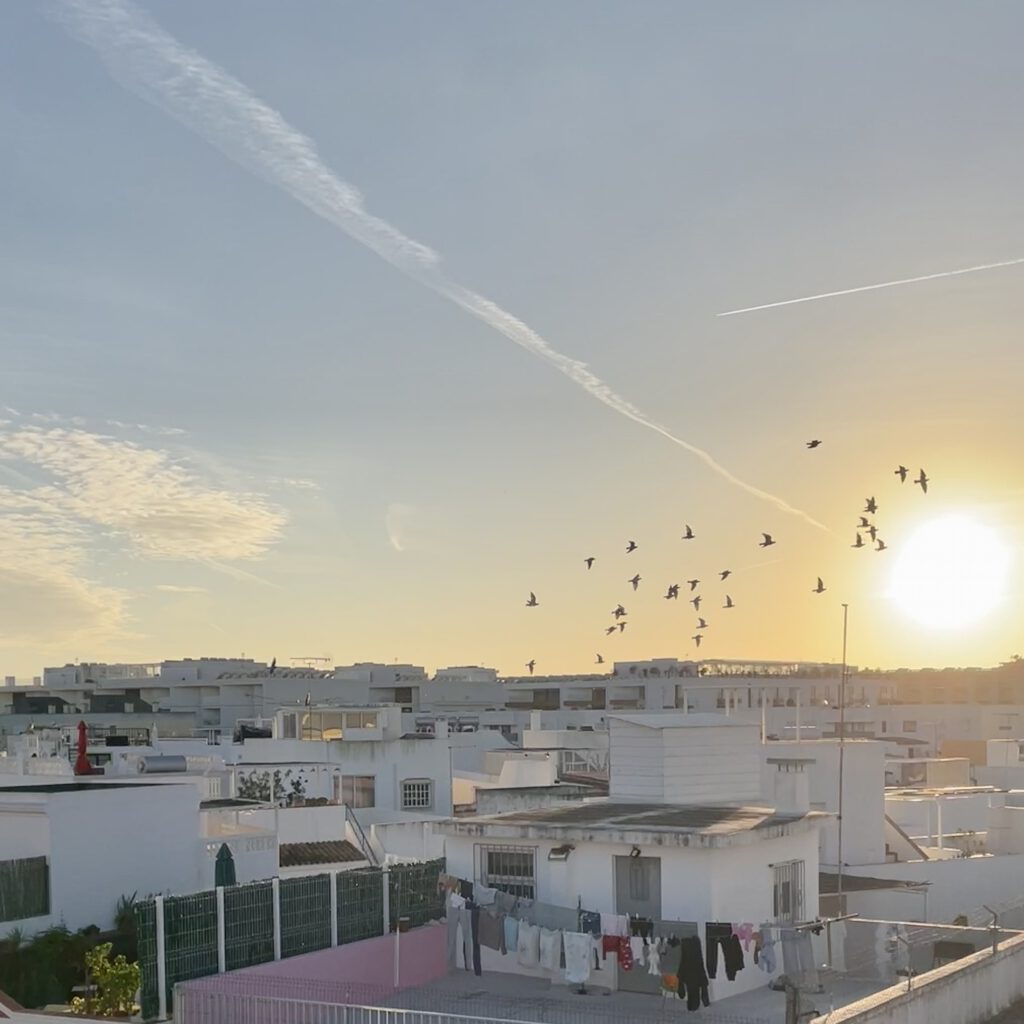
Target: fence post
x: 385, y: 881
x: 275, y: 886
x: 221, y: 944
x: 161, y: 960
x: 334, y: 908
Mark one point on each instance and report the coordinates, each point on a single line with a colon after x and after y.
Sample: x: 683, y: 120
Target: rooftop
x: 339, y: 851
x: 680, y: 719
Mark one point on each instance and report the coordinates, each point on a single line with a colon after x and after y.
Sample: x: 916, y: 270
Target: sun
x: 951, y: 573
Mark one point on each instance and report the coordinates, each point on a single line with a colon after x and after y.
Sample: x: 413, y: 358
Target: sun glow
x: 951, y: 573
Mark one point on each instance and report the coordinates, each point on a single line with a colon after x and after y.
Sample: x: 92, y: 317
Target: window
x: 417, y: 794
x: 129, y: 707
x: 910, y: 725
x: 788, y: 892
x: 511, y: 869
x: 361, y: 720
x: 639, y: 879
x: 355, y: 790
x: 289, y: 727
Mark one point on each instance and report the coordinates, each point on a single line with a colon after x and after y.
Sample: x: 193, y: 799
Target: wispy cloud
x: 141, y: 55
x: 397, y: 521
x: 173, y: 588
x: 874, y: 287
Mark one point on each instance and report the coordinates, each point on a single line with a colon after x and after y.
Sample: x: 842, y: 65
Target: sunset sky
x: 227, y: 425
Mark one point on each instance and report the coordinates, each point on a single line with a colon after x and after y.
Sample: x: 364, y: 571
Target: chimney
x: 792, y: 785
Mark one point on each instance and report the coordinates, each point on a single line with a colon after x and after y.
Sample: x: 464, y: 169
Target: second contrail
x: 205, y: 98
x: 875, y: 287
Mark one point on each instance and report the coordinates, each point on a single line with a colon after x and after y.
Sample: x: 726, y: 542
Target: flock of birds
x: 619, y: 613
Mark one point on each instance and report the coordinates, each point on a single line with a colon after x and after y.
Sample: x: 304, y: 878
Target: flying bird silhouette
x: 872, y: 532
x: 697, y: 639
x: 767, y: 542
x: 693, y: 585
x: 590, y: 562
x: 871, y: 506
x: 724, y: 575
x: 689, y: 533
x: 901, y: 472
x: 881, y: 545
x: 860, y: 542
x: 820, y: 588
x: 672, y: 593
x: 813, y: 444
x: 630, y: 547
x: 609, y: 630
x: 600, y: 660
x: 863, y: 524
x: 701, y: 624
x: 619, y: 612
x: 622, y: 627
x: 728, y: 602
x: 696, y: 603
x: 923, y: 481
x: 530, y: 664
x: 635, y: 580
x: 533, y: 602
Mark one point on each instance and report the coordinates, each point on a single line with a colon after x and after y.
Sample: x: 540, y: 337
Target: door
x: 638, y: 893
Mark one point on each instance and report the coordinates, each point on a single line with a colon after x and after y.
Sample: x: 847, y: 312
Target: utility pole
x: 842, y: 749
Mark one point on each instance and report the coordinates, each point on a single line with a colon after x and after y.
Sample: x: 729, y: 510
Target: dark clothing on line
x: 721, y: 934
x: 590, y: 923
x: 693, y: 980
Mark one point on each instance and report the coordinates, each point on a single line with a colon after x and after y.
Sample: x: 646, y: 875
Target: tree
x: 116, y: 982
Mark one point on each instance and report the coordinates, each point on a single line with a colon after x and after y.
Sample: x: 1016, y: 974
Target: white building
x: 684, y: 836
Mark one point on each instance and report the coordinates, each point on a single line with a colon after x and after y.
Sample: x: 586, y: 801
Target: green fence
x: 24, y: 888
x: 190, y: 922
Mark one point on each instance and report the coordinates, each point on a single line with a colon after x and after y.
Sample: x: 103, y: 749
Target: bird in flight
x: 590, y: 562
x: 881, y: 545
x: 901, y: 472
x: 630, y: 547
x: 619, y: 612
x: 635, y: 580
x: 813, y: 444
x: 820, y: 588
x: 609, y: 630
x: 672, y: 593
x: 696, y: 603
x: 724, y: 574
x: 767, y: 542
x: 622, y: 627
x: 863, y: 524
x: 860, y: 542
x: 923, y: 481
x: 728, y: 602
x: 530, y: 664
x: 689, y: 533
x: 697, y: 639
x: 600, y: 660
x: 693, y: 585
x: 533, y: 602
x: 872, y: 532
x: 871, y: 506
x: 701, y: 624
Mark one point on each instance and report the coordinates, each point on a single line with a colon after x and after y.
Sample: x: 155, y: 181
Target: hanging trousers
x: 721, y: 934
x: 692, y: 978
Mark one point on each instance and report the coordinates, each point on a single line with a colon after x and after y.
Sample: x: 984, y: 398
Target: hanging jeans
x: 721, y: 934
x: 467, y: 921
x: 692, y: 980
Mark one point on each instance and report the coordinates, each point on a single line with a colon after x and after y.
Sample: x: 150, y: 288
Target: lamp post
x: 842, y: 748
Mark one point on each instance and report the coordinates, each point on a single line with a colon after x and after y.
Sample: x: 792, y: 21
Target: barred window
x: 512, y: 869
x: 788, y: 894
x: 417, y: 794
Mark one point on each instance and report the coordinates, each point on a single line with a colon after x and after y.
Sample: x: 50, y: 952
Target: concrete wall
x: 969, y: 991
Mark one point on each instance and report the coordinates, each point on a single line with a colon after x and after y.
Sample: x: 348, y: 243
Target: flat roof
x: 72, y: 787
x: 828, y: 883
x: 678, y: 719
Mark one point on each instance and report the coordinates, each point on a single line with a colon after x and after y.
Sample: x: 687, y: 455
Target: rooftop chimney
x: 792, y: 785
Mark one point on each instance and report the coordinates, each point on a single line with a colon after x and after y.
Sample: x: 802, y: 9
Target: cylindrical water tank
x: 164, y: 763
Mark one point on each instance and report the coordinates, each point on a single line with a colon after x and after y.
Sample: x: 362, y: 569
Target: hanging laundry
x: 554, y: 918
x: 550, y: 949
x: 465, y: 889
x: 578, y: 946
x: 692, y: 978
x: 642, y: 926
x: 483, y: 896
x: 743, y: 932
x: 798, y: 958
x: 637, y: 949
x: 528, y: 945
x: 510, y: 927
x: 505, y: 902
x: 492, y: 930
x: 590, y: 922
x: 654, y: 958
x: 456, y: 901
x: 765, y: 953
x: 614, y: 924
x: 461, y: 932
x: 610, y: 944
x: 624, y: 953
x: 720, y: 934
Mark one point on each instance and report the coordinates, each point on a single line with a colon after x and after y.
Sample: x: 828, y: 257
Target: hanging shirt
x: 511, y: 927
x: 550, y: 949
x: 654, y: 959
x: 483, y: 896
x: 614, y: 924
x: 528, y: 945
x: 491, y: 929
x: 625, y: 954
x: 577, y: 957
x: 636, y: 949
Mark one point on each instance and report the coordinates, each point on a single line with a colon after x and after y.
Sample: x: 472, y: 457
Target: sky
x: 228, y: 426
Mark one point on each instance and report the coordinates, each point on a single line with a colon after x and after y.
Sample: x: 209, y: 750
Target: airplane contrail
x: 875, y: 287
x: 150, y: 62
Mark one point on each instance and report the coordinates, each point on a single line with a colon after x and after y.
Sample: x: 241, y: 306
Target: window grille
x: 788, y: 895
x: 512, y: 869
x: 417, y: 794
